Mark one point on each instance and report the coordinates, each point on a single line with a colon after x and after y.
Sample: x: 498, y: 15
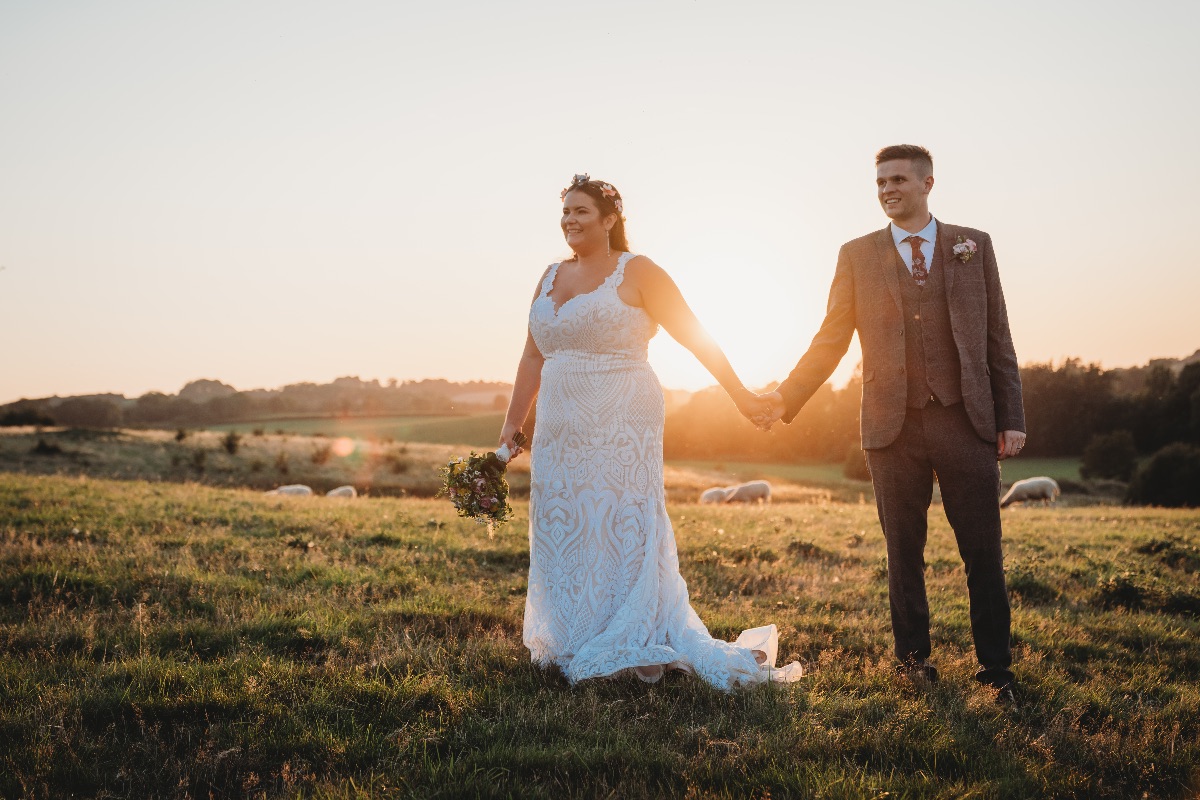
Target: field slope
x: 161, y: 639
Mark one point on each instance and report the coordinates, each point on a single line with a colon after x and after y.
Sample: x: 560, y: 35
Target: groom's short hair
x: 918, y: 155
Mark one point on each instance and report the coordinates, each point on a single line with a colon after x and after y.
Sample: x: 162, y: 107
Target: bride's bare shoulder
x: 641, y: 271
x: 643, y: 267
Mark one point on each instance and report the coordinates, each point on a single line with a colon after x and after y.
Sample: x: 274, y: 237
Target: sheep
x: 342, y: 491
x: 751, y: 492
x: 1040, y: 488
x: 293, y: 489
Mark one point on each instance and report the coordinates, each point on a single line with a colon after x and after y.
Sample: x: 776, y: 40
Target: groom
x: 941, y: 395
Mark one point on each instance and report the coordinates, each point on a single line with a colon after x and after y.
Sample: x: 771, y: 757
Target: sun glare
x: 751, y: 326
x: 343, y: 446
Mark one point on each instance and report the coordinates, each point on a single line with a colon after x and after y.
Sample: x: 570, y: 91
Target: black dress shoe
x: 1001, y: 680
x: 918, y: 671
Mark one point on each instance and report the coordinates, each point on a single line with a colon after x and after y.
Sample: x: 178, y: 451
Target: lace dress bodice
x: 597, y: 323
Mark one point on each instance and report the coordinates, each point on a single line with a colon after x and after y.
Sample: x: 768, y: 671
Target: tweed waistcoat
x: 931, y: 357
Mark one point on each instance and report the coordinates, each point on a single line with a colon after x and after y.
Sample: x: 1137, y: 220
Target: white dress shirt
x: 928, y: 233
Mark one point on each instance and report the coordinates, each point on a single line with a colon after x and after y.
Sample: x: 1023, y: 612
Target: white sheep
x: 713, y: 495
x: 1040, y: 488
x: 342, y: 491
x: 293, y: 489
x: 750, y: 492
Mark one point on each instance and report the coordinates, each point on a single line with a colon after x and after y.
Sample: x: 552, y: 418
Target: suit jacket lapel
x: 944, y: 257
x: 888, y: 259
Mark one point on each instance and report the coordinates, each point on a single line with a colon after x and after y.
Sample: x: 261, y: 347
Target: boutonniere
x: 964, y: 249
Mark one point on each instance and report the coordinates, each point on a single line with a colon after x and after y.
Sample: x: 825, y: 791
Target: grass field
x: 831, y: 479
x: 478, y: 430
x: 260, y: 462
x: 1013, y: 469
x: 373, y: 466
x: 162, y: 639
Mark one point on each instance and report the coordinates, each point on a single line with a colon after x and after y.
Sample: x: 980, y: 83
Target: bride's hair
x: 607, y: 205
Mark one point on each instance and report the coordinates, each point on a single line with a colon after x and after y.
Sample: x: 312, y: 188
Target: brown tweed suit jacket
x: 865, y: 296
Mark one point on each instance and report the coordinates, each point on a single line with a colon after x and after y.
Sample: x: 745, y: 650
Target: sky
x: 266, y: 193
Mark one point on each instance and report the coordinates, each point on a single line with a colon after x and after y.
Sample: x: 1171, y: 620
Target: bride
x: 605, y: 593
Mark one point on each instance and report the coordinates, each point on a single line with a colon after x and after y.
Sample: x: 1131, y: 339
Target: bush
x: 281, y: 462
x: 231, y: 442
x: 44, y: 448
x: 1109, y: 455
x: 1068, y: 486
x: 88, y: 412
x: 1171, y: 477
x: 321, y: 454
x: 180, y: 435
x: 855, y: 465
x: 25, y: 416
x: 199, y: 458
x: 396, y: 461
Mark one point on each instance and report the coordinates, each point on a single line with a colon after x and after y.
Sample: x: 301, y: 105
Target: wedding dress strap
x: 618, y: 274
x: 548, y: 281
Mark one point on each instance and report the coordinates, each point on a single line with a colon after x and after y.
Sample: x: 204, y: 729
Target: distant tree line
x: 1066, y: 408
x: 211, y: 402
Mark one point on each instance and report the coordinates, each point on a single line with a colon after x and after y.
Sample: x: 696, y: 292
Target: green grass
x: 812, y: 473
x: 831, y: 474
x: 175, y: 639
x: 1015, y: 469
x: 479, y: 430
x: 828, y: 477
x: 260, y: 462
x: 831, y: 477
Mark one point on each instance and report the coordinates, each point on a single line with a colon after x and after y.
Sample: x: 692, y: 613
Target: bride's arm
x: 663, y: 301
x: 525, y: 387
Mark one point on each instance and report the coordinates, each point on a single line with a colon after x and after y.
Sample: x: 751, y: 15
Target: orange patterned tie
x: 919, y: 272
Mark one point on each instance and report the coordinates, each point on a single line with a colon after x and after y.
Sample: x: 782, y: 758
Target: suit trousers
x: 940, y: 439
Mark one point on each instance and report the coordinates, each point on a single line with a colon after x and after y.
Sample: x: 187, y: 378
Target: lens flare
x: 343, y: 446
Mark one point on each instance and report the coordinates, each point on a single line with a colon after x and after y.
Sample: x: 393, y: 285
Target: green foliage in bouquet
x: 477, y: 488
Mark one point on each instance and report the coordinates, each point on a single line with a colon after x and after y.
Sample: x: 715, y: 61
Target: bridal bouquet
x: 477, y: 488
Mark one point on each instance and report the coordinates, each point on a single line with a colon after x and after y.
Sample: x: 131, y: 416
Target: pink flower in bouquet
x: 477, y: 488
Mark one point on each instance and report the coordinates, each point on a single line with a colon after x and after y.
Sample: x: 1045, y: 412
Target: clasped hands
x: 761, y: 409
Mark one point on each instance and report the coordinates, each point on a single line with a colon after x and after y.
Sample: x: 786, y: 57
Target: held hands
x: 775, y: 409
x: 761, y: 409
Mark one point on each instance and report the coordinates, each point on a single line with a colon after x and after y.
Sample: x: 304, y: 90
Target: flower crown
x: 606, y: 189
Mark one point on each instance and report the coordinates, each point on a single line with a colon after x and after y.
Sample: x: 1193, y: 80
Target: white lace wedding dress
x: 605, y: 592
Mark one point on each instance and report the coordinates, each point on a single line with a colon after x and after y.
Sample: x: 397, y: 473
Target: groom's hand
x: 774, y: 410
x: 749, y: 404
x: 1009, y: 444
